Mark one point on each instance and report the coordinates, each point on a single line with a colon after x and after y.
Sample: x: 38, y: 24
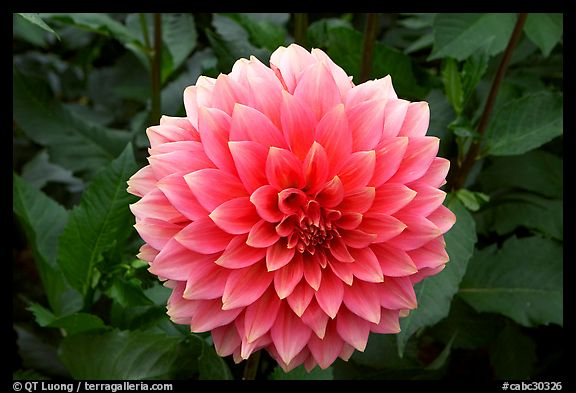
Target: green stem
x: 370, y: 32
x: 156, y: 69
x: 251, y: 367
x: 458, y: 180
x: 144, y: 27
x: 300, y: 28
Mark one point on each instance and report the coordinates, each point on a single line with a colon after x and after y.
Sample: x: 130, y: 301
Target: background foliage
x: 84, y: 90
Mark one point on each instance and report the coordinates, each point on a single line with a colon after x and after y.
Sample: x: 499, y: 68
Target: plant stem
x: 456, y: 181
x: 300, y: 28
x: 156, y: 69
x: 370, y: 31
x: 251, y: 367
x: 144, y: 27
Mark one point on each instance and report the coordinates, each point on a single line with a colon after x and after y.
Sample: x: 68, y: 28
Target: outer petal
x: 393, y: 261
x: 366, y: 123
x: 226, y: 93
x: 418, y: 232
x: 237, y: 216
x: 325, y: 351
x: 377, y: 88
x: 391, y: 197
x: 318, y: 89
x: 389, y: 155
x: 289, y: 334
x: 389, y: 322
x: 238, y: 254
x: 203, y: 236
x: 248, y: 124
x: 156, y: 232
x: 287, y: 277
x: 418, y: 158
x: 155, y: 205
x: 213, y: 127
x: 329, y: 295
x: 245, y: 285
x: 298, y: 124
x: 250, y: 160
x: 181, y: 197
x: 358, y: 201
x: 416, y: 120
x: 208, y: 315
x: 358, y: 170
x: 426, y: 201
x: 226, y: 339
x: 383, y: 226
x: 300, y: 298
x: 394, y: 117
x: 315, y: 318
x: 142, y: 182
x: 353, y: 329
x: 312, y: 271
x: 397, y: 293
x: 179, y: 161
x: 443, y: 218
x: 175, y: 262
x: 333, y: 133
x: 435, y: 176
x: 366, y: 266
x: 261, y: 315
x: 431, y: 255
x: 206, y: 281
x: 290, y: 62
x: 213, y: 187
x: 343, y: 81
x: 363, y: 300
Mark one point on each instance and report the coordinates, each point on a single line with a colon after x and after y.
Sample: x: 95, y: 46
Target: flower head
x: 291, y: 210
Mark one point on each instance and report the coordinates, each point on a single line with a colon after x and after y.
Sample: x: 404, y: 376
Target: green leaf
x: 522, y: 280
x: 211, y: 366
x: 37, y: 20
x: 37, y: 354
x: 73, y: 323
x: 544, y: 30
x: 435, y: 293
x: 513, y: 354
x: 473, y: 70
x: 524, y: 124
x: 71, y: 142
x: 300, y: 373
x: 263, y: 33
x: 43, y: 220
x: 537, y: 171
x: 318, y: 33
x: 472, y: 200
x: 179, y: 35
x: 28, y: 375
x: 453, y: 84
x: 39, y: 171
x: 127, y: 293
x: 442, y: 358
x: 101, y: 219
x: 129, y: 355
x: 461, y: 35
x: 382, y: 352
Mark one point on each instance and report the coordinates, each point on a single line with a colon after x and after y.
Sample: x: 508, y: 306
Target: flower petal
x: 318, y: 90
x: 419, y: 231
x: 417, y: 119
x: 298, y: 124
x: 300, y: 298
x: 312, y: 271
x: 343, y: 81
x: 378, y: 88
x: 397, y: 293
x: 226, y: 93
x: 156, y: 232
x: 263, y: 234
x: 356, y: 238
x: 357, y: 170
x: 358, y: 201
x: 443, y: 218
x: 265, y: 199
x: 175, y: 262
x: 329, y: 295
x: 278, y: 255
x: 238, y: 254
x: 333, y: 133
x: 366, y: 121
x: 261, y: 315
x: 394, y: 117
x: 142, y: 182
x: 155, y: 205
x: 315, y: 319
x: 236, y: 216
x: 431, y: 255
x: 203, y: 236
x: 181, y: 197
x: 213, y: 187
x: 332, y: 194
x: 363, y: 300
x: 383, y: 226
x: 339, y: 250
x: 179, y: 161
x: 289, y: 334
x: 316, y: 168
x: 287, y: 277
x: 326, y: 351
x: 213, y: 127
x: 393, y: 261
x: 366, y: 266
x: 226, y: 339
x: 284, y: 169
x: 250, y: 160
x: 343, y: 270
x: 418, y: 158
x: 291, y: 61
x: 389, y: 155
x: 353, y: 329
x: 389, y: 322
x: 209, y: 314
x: 248, y: 124
x: 435, y: 176
x: 391, y: 197
x: 205, y: 281
x: 245, y: 285
x: 427, y: 200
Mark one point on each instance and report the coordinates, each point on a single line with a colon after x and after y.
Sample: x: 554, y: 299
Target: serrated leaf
x: 513, y: 354
x: 101, y: 218
x: 37, y: 20
x: 71, y: 142
x: 522, y: 280
x: 435, y: 293
x: 39, y: 171
x: 211, y: 366
x: 43, y: 221
x: 524, y: 124
x: 544, y: 30
x: 129, y: 355
x: 72, y: 324
x: 461, y: 35
x: 300, y: 373
x: 179, y: 35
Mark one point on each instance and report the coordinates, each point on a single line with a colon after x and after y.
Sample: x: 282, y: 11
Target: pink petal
x: 358, y: 170
x: 347, y: 352
x: 238, y: 254
x: 265, y: 199
x: 250, y: 160
x: 287, y: 277
x: 333, y: 133
x: 394, y: 115
x: 147, y: 253
x: 383, y: 226
x: 389, y: 155
x: 356, y: 238
x: 366, y: 266
x: 262, y: 234
x: 265, y: 90
x: 283, y: 169
x: 343, y: 81
x: 158, y: 135
x: 352, y: 329
x: 326, y: 351
x: 426, y: 272
x: 175, y: 262
x: 206, y: 281
x: 363, y: 300
x: 315, y: 319
x: 278, y: 255
x: 289, y: 334
x: 156, y: 232
x: 329, y: 295
x: 416, y: 120
x: 236, y: 216
x: 226, y: 339
x: 291, y: 61
x: 210, y: 315
x: 248, y: 348
x: 377, y: 88
x: 418, y: 232
x: 342, y: 270
x: 391, y: 197
x: 178, y: 161
x: 349, y: 220
x: 397, y: 293
x: 300, y: 298
x: 426, y: 201
x: 358, y: 201
x: 142, y: 182
x: 248, y: 124
x: 213, y: 126
x: 318, y: 90
x: 394, y: 262
x: 312, y: 271
x: 339, y: 250
x: 443, y: 218
x: 181, y: 197
x: 332, y: 194
x: 419, y: 155
x: 260, y: 315
x: 213, y: 187
x: 180, y: 122
x: 366, y: 121
x: 295, y: 362
x: 298, y: 124
x: 431, y: 255
x: 435, y: 176
x: 226, y: 93
x: 291, y: 200
x: 316, y: 168
x: 156, y: 205
x: 389, y: 322
x: 245, y: 285
x: 191, y: 104
x: 203, y: 236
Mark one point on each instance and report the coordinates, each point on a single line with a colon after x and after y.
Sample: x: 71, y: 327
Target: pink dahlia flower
x: 291, y: 210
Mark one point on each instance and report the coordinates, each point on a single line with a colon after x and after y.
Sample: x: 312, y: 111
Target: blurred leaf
x: 37, y: 354
x: 442, y: 358
x: 27, y: 32
x: 513, y: 354
x: 179, y: 35
x: 512, y: 210
x: 382, y: 353
x: 211, y: 366
x: 441, y: 114
x: 129, y: 355
x: 127, y: 293
x: 472, y: 200
x: 43, y: 220
x: 453, y: 84
x: 37, y: 20
x: 537, y: 171
x: 263, y: 33
x: 435, y: 293
x: 28, y: 375
x: 100, y: 220
x: 300, y: 373
x: 522, y: 280
x: 473, y: 70
x: 461, y: 35
x: 71, y: 142
x: 73, y: 323
x: 524, y: 124
x: 318, y: 33
x: 417, y: 21
x: 423, y: 42
x: 39, y: 171
x: 544, y: 30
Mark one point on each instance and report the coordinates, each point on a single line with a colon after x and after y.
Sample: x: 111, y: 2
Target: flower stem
x: 156, y: 69
x: 456, y: 181
x: 370, y: 31
x: 300, y: 28
x: 144, y: 27
x: 251, y: 367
